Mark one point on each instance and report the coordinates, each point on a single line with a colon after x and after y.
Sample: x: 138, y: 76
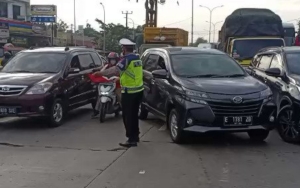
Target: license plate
x: 8, y: 110
x: 238, y: 120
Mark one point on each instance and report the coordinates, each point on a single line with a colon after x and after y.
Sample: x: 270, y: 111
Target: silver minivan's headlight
x: 106, y: 89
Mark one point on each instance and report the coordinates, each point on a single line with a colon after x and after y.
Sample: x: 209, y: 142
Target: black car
x: 48, y: 82
x: 279, y: 68
x: 204, y: 90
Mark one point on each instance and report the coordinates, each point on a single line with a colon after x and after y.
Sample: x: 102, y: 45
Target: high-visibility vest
x: 131, y: 79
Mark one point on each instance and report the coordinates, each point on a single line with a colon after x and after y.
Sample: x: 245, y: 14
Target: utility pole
x: 126, y: 16
x: 192, y: 30
x: 74, y: 37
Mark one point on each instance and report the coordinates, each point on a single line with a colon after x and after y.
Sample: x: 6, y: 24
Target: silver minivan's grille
x: 11, y: 90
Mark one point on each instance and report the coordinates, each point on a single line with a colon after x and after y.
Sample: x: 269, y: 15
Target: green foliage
x: 114, y: 32
x: 198, y: 41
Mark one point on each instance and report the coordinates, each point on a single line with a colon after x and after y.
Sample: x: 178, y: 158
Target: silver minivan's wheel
x: 176, y: 133
x: 57, y: 113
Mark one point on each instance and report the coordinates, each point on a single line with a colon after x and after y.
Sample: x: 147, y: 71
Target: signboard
x: 43, y: 10
x: 4, y: 32
x: 80, y: 29
x: 45, y: 19
x: 19, y: 40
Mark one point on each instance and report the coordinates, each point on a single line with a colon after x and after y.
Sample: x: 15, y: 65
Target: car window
x: 161, y: 63
x: 293, y: 63
x: 276, y: 62
x: 265, y: 61
x: 144, y: 56
x: 190, y: 65
x: 151, y: 63
x: 96, y: 59
x: 86, y: 61
x: 104, y: 61
x: 75, y: 62
x: 255, y: 60
x: 36, y: 62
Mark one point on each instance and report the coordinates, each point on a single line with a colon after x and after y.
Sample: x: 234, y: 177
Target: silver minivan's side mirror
x: 74, y: 71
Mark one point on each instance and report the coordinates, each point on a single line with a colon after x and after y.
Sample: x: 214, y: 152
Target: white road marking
x: 225, y: 173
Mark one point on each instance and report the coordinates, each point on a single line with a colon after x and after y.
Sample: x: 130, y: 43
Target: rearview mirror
x: 161, y: 74
x: 74, y: 71
x: 276, y: 72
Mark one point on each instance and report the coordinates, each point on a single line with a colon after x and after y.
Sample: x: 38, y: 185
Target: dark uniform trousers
x: 130, y: 112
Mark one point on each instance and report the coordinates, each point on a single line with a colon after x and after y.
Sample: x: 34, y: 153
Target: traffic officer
x: 130, y: 70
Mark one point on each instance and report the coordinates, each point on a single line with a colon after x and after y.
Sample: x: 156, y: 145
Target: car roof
x: 58, y: 49
x: 189, y: 50
x: 285, y: 49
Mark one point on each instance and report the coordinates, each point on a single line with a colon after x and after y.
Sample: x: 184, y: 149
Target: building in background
x: 15, y: 9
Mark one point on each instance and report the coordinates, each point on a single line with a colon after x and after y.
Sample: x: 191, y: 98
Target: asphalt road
x: 85, y: 154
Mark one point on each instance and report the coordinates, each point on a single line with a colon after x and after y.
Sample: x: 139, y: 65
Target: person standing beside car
x: 7, y: 56
x: 130, y: 70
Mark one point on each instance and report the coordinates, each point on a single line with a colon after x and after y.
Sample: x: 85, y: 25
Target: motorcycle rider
x: 113, y: 58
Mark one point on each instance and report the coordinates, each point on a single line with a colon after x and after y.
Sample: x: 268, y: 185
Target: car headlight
x: 192, y: 93
x: 39, y: 88
x: 195, y: 96
x: 294, y: 90
x: 266, y: 93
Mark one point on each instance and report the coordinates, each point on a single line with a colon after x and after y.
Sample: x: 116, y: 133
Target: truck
x: 289, y: 33
x: 163, y: 37
x: 247, y: 30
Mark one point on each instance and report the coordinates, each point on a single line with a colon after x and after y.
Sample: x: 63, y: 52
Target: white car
x: 205, y: 45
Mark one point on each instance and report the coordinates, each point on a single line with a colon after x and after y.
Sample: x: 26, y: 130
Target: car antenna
x: 67, y: 48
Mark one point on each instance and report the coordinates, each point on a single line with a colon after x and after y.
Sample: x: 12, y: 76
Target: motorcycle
x: 107, y: 102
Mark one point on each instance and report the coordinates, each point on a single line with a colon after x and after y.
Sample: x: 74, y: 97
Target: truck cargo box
x: 162, y: 35
x: 250, y: 22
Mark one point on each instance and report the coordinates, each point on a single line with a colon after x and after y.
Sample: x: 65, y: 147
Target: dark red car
x: 48, y: 82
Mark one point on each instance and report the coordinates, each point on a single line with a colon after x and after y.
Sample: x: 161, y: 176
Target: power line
x: 126, y: 17
x: 178, y: 21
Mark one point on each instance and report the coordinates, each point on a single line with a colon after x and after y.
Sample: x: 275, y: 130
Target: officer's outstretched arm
x: 112, y: 71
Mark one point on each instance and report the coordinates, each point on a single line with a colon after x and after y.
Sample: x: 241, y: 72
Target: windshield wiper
x: 21, y: 71
x: 205, y: 76
x: 46, y: 72
x: 233, y: 75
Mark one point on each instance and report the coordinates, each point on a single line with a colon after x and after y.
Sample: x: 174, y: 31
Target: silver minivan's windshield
x: 36, y: 63
x: 205, y: 65
x: 293, y: 63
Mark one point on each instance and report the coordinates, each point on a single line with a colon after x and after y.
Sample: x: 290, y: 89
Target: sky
x: 169, y: 14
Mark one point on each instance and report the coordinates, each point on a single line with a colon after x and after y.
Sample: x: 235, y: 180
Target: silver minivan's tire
x: 57, y: 113
x: 176, y: 132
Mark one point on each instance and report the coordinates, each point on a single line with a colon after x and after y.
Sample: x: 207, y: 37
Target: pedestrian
x: 7, y: 57
x: 130, y: 70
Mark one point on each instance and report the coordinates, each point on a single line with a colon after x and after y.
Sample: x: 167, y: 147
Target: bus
x: 289, y: 33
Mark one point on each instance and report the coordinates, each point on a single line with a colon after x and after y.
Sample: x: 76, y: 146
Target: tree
x: 114, y: 32
x: 198, y: 41
x: 62, y: 26
x: 299, y: 27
